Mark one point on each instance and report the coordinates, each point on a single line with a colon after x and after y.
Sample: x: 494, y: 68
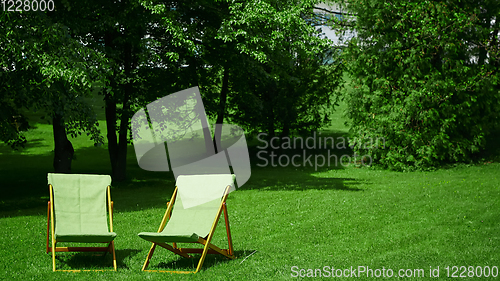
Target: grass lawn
x: 283, y: 219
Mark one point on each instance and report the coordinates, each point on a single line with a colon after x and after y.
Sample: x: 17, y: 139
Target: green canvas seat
x: 77, y: 213
x: 192, y: 215
x: 187, y: 225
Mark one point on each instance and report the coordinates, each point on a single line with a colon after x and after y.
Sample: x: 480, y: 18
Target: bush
x: 422, y: 82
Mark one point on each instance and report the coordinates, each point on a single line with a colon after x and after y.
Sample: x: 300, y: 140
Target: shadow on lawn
x: 268, y: 173
x: 25, y: 189
x: 291, y: 178
x: 82, y: 260
x: 24, y: 177
x: 24, y: 181
x: 33, y: 143
x: 124, y: 254
x: 211, y: 260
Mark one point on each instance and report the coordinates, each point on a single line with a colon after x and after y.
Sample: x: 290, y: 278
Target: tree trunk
x: 269, y: 113
x: 110, y: 110
x: 120, y: 172
x: 63, y: 149
x: 222, y: 107
x: 117, y: 146
x: 286, y: 129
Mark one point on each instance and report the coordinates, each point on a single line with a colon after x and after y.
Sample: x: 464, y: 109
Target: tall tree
x: 283, y: 84
x: 43, y: 68
x: 424, y: 78
x: 258, y: 63
x: 157, y: 47
x: 119, y: 31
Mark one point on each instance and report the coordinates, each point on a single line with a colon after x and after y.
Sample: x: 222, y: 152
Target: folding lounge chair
x: 77, y: 213
x: 199, y: 202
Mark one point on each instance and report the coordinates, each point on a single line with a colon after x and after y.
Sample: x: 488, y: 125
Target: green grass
x: 282, y: 217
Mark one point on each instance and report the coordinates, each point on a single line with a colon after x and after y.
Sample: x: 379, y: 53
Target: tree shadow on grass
x: 94, y: 260
x: 24, y: 182
x: 25, y: 191
x: 32, y: 143
x: 84, y: 261
x: 297, y: 168
x: 125, y: 254
x: 290, y: 179
x: 190, y: 264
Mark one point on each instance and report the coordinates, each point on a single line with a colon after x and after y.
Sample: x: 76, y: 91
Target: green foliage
x: 425, y: 80
x: 279, y: 82
x: 268, y: 51
x: 273, y: 98
x: 270, y: 54
x: 44, y: 69
x: 260, y: 28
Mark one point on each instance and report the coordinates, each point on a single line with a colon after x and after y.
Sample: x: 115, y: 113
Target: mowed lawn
x: 284, y: 220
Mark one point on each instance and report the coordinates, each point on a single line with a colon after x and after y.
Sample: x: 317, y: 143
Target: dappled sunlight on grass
x: 290, y: 217
x: 338, y: 216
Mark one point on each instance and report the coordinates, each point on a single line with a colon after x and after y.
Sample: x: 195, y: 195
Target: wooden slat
x: 81, y: 249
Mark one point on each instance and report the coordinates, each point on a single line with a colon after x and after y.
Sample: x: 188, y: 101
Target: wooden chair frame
x: 208, y: 247
x: 51, y: 228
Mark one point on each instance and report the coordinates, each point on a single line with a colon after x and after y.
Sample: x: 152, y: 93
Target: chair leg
x: 150, y: 254
x: 109, y: 249
x: 114, y: 255
x: 207, y: 244
x: 211, y: 233
x: 203, y: 256
x: 228, y: 231
x: 48, y: 226
x: 53, y: 255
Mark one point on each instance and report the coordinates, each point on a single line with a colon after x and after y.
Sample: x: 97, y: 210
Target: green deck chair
x: 192, y: 215
x: 77, y: 213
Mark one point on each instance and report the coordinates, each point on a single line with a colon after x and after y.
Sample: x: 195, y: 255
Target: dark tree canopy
x: 259, y: 64
x: 425, y: 79
x: 43, y: 68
